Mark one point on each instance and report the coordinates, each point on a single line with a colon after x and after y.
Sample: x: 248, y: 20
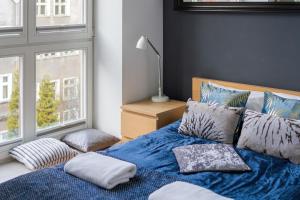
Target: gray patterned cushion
x: 90, y: 140
x: 271, y: 135
x: 209, y: 157
x: 216, y: 123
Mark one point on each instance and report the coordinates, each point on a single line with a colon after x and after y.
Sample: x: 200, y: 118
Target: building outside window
x: 5, y: 87
x: 9, y: 98
x: 59, y: 12
x: 43, y: 8
x: 70, y: 115
x: 10, y: 14
x: 70, y: 89
x: 59, y: 77
x: 61, y: 7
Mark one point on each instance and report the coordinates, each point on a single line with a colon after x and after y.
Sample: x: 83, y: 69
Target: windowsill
x: 11, y: 169
x: 4, y: 101
x: 61, y: 28
x: 68, y: 127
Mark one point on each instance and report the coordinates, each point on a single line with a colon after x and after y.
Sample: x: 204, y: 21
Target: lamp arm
x: 153, y: 47
x: 160, y: 76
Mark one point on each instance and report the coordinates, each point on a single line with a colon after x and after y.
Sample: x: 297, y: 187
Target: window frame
x: 5, y: 53
x: 27, y: 47
x: 86, y: 85
x: 60, y: 33
x: 27, y: 86
x: 16, y: 35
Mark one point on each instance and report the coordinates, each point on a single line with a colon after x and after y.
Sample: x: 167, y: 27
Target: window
x: 70, y: 89
x: 56, y: 85
x: 9, y: 98
x: 11, y: 20
x: 70, y: 115
x: 62, y: 8
x: 43, y: 8
x: 62, y: 13
x: 51, y: 69
x: 10, y: 14
x: 46, y: 63
x: 72, y: 19
x: 5, y: 87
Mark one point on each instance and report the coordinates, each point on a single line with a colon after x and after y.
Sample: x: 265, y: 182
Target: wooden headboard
x: 197, y: 82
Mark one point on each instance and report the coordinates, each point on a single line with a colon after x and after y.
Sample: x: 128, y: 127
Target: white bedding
x: 184, y: 191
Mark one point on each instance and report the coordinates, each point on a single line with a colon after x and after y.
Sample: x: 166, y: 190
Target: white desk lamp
x: 143, y: 44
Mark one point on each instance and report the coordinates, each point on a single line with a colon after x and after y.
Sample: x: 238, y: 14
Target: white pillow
x: 255, y: 101
x: 42, y: 153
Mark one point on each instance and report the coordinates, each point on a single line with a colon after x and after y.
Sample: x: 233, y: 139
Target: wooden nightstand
x: 145, y: 116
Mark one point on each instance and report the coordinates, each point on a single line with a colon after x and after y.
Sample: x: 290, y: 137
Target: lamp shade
x: 142, y: 43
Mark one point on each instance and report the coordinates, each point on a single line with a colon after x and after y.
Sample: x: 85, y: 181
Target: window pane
x: 10, y: 13
x: 59, y: 13
x: 63, y: 10
x: 5, y: 92
x: 59, y: 88
x: 43, y: 10
x: 9, y: 98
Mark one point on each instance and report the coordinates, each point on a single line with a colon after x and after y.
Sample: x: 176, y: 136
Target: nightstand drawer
x: 143, y: 117
x: 134, y: 125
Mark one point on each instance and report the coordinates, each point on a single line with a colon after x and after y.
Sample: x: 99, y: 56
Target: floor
x: 12, y: 170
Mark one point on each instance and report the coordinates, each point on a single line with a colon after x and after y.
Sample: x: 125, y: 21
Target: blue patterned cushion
x: 215, y: 95
x: 281, y: 107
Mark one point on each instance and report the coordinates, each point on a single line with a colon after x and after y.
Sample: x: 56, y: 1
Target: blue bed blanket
x: 55, y: 184
x: 270, y: 178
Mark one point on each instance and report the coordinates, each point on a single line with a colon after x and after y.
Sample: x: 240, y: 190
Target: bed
x: 270, y: 178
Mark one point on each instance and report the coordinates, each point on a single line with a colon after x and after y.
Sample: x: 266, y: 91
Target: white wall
x: 140, y: 75
x: 108, y: 66
x: 122, y: 73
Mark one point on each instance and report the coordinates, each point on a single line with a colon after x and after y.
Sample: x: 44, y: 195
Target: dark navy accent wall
x: 253, y: 48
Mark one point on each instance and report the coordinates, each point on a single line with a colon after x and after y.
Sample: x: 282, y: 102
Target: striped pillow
x: 42, y: 153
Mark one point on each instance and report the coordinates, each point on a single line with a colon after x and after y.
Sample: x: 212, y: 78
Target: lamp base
x: 160, y: 99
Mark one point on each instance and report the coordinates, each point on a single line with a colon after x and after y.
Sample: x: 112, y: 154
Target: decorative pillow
x: 216, y: 123
x: 288, y: 96
x: 281, y: 107
x: 90, y: 140
x: 42, y: 153
x: 209, y: 157
x: 271, y: 135
x: 255, y: 99
x: 215, y: 95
